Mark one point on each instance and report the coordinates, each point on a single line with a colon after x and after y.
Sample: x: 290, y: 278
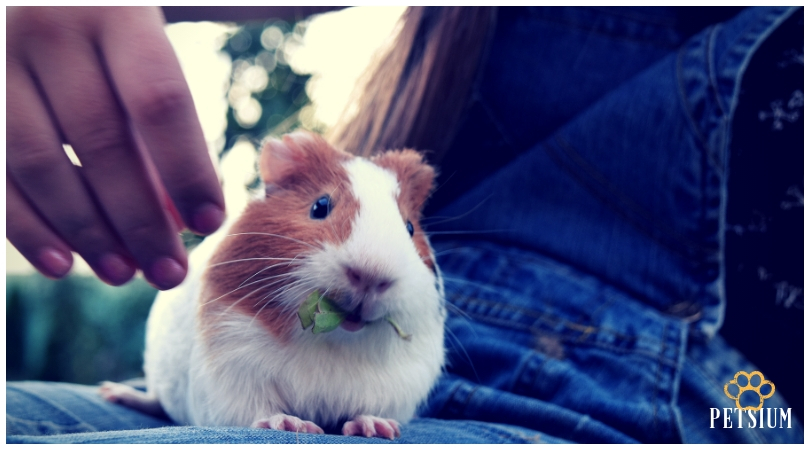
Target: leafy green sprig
x: 321, y: 313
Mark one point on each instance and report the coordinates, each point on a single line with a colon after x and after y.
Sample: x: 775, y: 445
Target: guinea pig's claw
x: 284, y: 422
x: 371, y: 426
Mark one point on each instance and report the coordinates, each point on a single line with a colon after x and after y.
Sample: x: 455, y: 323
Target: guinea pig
x: 227, y: 346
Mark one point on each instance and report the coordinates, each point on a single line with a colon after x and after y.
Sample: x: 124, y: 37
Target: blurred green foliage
x: 77, y: 329
x: 258, y: 49
x: 82, y: 331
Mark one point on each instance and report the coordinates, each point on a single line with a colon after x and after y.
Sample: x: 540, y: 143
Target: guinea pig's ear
x: 415, y: 176
x: 281, y: 158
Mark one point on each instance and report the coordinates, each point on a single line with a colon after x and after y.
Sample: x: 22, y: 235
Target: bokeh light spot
x: 272, y: 37
x: 254, y: 78
x: 248, y: 113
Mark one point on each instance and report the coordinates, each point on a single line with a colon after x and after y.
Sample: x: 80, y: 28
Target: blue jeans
x: 585, y: 281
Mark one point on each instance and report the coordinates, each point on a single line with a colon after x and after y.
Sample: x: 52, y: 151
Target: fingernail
x: 55, y: 263
x: 166, y: 273
x: 114, y: 269
x: 207, y: 218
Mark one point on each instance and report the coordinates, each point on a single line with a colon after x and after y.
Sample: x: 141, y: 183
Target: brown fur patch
x: 416, y: 183
x: 315, y: 170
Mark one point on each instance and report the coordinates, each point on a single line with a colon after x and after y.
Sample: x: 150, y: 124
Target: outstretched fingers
x: 153, y: 91
x: 106, y: 81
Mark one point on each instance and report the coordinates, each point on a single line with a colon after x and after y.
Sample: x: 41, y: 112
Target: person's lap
x: 39, y: 412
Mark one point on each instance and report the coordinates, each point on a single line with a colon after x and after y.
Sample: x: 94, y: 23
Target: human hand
x: 107, y: 82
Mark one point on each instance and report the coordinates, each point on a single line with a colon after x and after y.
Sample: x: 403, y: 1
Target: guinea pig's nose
x: 367, y: 282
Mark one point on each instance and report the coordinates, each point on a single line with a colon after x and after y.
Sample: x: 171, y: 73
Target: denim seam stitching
x: 774, y: 19
x: 687, y: 110
x: 611, y: 293
x: 468, y: 398
x: 677, y: 338
x: 519, y: 387
x: 710, y: 48
x: 656, y: 356
x: 454, y: 403
x: 657, y: 390
x: 549, y: 319
x: 715, y: 95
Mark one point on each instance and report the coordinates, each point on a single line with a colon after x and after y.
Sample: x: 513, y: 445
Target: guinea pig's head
x: 344, y: 226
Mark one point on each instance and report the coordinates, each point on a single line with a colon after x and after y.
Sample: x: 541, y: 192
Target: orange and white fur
x: 226, y: 347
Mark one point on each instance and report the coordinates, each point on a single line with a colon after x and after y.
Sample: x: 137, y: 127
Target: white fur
x: 325, y: 378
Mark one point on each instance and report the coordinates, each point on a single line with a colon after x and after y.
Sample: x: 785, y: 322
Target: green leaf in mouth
x: 319, y: 310
x: 306, y: 313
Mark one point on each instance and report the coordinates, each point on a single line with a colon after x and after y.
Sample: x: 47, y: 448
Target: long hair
x: 414, y: 95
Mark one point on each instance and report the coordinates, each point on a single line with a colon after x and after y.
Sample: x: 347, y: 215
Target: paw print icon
x: 753, y: 382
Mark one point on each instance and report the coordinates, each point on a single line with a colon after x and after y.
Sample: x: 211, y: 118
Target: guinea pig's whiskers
x: 444, y: 219
x: 257, y: 314
x: 274, y: 235
x: 273, y: 266
x: 460, y: 232
x: 250, y: 259
x: 297, y: 291
x: 460, y: 346
x: 445, y: 252
x: 241, y: 298
x: 300, y: 258
x: 286, y: 289
x: 419, y: 207
x: 283, y: 290
x: 265, y: 286
x: 283, y: 277
x: 458, y: 311
x: 246, y: 284
x: 468, y: 282
x: 258, y: 272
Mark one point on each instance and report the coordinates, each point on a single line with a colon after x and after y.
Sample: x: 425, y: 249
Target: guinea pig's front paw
x: 131, y: 397
x: 371, y: 426
x: 283, y: 422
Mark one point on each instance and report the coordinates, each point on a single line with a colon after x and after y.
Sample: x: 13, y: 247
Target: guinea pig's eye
x: 409, y: 227
x: 321, y: 208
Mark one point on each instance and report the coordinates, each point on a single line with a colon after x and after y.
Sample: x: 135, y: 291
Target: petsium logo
x: 749, y: 392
